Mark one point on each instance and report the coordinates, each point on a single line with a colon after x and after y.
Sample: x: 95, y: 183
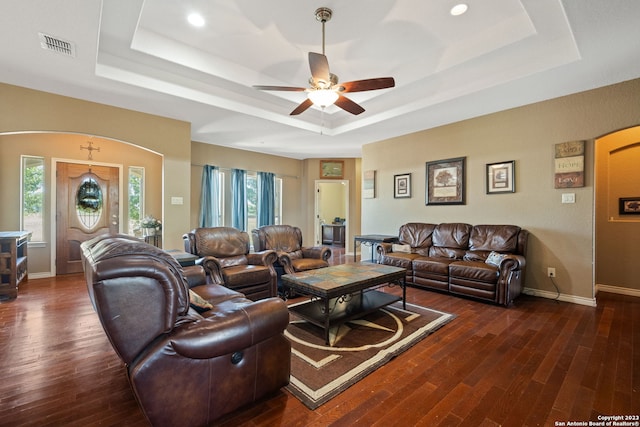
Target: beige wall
x: 26, y: 110
x: 617, y: 236
x: 562, y: 235
x: 66, y: 147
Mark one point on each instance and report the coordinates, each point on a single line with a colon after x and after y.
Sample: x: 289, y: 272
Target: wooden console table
x: 333, y: 234
x: 371, y: 240
x: 13, y: 262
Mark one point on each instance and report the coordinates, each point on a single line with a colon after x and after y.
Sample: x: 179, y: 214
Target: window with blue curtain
x: 209, y: 197
x: 239, y: 199
x: 266, y: 198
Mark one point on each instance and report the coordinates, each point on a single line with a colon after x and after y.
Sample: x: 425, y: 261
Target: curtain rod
x: 229, y: 169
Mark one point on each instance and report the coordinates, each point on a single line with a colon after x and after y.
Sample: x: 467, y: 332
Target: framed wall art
x: 501, y: 177
x: 629, y: 206
x: 402, y: 186
x: 445, y: 182
x: 332, y: 169
x: 369, y: 184
x: 569, y: 164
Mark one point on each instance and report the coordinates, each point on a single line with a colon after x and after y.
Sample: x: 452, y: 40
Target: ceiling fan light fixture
x: 459, y: 9
x: 196, y: 20
x: 323, y: 97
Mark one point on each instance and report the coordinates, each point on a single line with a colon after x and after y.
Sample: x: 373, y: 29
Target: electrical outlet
x: 551, y: 272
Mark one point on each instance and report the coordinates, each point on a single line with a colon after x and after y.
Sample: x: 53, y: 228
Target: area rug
x: 357, y: 348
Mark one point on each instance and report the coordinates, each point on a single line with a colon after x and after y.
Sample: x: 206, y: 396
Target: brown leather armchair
x: 286, y: 240
x: 225, y: 256
x: 186, y: 367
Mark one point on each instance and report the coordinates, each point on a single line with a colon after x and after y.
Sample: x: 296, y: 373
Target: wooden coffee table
x: 344, y: 292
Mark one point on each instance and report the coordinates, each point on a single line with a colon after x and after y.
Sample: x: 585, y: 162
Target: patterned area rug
x: 320, y: 372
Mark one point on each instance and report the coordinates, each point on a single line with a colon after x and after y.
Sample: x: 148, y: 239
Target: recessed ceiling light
x: 196, y: 20
x: 459, y: 9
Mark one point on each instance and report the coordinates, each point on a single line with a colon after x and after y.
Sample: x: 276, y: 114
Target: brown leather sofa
x: 186, y: 366
x: 486, y: 262
x: 224, y: 254
x: 292, y: 257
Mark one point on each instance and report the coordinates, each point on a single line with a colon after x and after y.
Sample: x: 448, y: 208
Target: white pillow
x: 495, y: 258
x: 401, y: 248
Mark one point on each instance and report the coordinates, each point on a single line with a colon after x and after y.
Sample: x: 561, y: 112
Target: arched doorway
x: 617, y: 232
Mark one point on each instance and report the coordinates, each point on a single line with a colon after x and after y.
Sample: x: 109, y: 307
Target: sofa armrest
x: 266, y: 257
x: 212, y: 268
x: 317, y: 252
x: 195, y: 275
x: 384, y: 248
x: 231, y: 331
x: 511, y: 263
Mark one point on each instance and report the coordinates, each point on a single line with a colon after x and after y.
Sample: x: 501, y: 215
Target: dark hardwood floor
x: 534, y: 364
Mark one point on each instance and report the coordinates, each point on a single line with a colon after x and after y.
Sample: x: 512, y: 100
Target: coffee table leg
x: 326, y: 321
x: 404, y: 293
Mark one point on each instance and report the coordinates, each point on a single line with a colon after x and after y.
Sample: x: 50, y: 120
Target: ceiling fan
x: 325, y: 89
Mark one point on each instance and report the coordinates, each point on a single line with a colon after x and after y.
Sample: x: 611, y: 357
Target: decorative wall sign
x: 501, y: 177
x: 569, y: 164
x: 445, y: 182
x: 369, y: 185
x: 402, y: 186
x: 332, y: 169
x: 629, y: 206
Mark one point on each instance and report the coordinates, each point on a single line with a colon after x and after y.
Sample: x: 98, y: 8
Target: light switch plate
x: 177, y: 201
x: 568, y: 197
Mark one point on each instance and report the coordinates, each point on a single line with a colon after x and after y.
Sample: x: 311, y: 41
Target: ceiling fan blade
x: 302, y: 107
x: 348, y: 105
x: 284, y: 88
x: 368, y: 84
x: 319, y: 68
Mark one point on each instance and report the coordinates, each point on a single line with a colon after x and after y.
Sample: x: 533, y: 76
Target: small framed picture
x: 629, y: 205
x: 369, y: 184
x: 501, y: 177
x: 445, y: 182
x: 402, y: 186
x: 332, y: 169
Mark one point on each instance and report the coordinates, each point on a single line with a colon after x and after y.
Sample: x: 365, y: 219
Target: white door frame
x: 53, y: 207
x: 317, y: 234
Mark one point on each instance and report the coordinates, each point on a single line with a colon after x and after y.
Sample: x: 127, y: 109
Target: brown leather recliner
x: 186, y: 367
x: 225, y: 256
x: 286, y: 240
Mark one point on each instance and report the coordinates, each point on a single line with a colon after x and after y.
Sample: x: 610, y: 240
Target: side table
x: 371, y: 240
x: 185, y: 259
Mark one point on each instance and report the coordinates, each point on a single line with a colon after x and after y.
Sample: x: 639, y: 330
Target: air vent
x: 57, y: 45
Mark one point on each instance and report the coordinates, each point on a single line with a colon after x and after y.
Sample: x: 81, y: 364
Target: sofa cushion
x: 450, y: 240
x: 401, y: 248
x: 474, y: 270
x: 437, y: 265
x: 416, y: 234
x: 399, y: 259
x: 476, y: 255
x: 451, y: 253
x: 499, y: 238
x: 243, y: 275
x: 233, y: 261
x: 304, y: 264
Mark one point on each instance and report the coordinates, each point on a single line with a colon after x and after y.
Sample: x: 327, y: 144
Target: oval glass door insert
x: 89, y: 203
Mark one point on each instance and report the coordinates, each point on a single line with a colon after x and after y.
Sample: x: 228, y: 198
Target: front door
x: 87, y: 205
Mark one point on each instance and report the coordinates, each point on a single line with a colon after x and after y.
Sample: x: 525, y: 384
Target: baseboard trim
x: 591, y: 302
x: 40, y: 275
x: 618, y: 290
